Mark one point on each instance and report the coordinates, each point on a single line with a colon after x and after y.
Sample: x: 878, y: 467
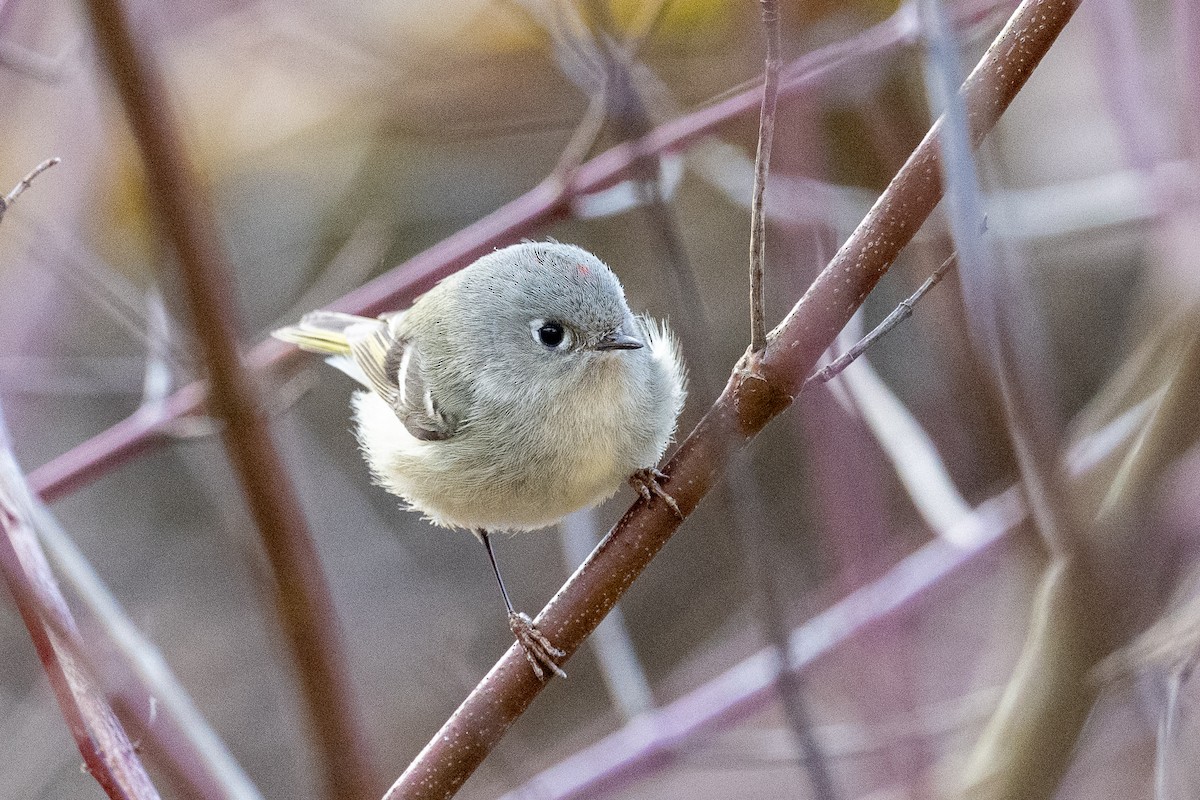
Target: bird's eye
x: 551, y: 334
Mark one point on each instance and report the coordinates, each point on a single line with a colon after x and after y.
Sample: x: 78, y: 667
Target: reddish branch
x: 108, y: 755
x: 759, y: 389
x: 305, y: 605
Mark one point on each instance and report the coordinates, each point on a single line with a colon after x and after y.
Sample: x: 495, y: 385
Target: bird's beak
x: 618, y: 341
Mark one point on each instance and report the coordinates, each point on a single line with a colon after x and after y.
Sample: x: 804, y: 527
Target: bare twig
x: 749, y: 525
x: 898, y: 315
x: 305, y: 606
x: 587, y: 132
x: 1027, y: 746
x: 6, y: 202
x: 762, y: 167
x: 631, y: 119
x: 755, y: 394
x: 107, y: 752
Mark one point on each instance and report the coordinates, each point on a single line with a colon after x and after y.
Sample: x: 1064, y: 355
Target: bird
x: 516, y: 391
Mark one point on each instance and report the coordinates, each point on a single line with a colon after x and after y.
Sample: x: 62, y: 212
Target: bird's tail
x: 322, y: 332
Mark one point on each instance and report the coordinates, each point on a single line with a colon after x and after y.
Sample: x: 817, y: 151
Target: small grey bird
x: 516, y: 391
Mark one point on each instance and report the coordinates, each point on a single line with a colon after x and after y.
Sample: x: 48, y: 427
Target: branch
x: 900, y: 313
x: 139, y: 433
x: 759, y: 389
x: 762, y: 167
x: 746, y: 688
x: 6, y: 202
x: 191, y: 748
x: 304, y: 604
x: 108, y: 755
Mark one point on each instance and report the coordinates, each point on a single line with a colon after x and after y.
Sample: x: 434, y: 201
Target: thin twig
x: 73, y: 692
x: 631, y: 117
x: 756, y: 393
x: 305, y: 606
x: 749, y: 525
x: 6, y: 202
x: 584, y: 138
x: 762, y: 167
x: 902, y: 312
x: 107, y: 753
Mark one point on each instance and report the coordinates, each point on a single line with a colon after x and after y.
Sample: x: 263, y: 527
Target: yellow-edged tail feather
x: 321, y: 332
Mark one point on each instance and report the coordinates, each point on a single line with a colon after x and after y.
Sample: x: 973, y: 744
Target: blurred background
x: 337, y: 140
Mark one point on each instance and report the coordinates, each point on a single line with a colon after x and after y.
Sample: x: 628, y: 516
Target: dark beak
x: 618, y: 341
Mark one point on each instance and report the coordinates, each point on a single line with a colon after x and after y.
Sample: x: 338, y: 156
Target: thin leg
x: 538, y: 650
x: 487, y: 543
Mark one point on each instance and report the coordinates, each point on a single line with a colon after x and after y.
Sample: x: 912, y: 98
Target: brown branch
x: 1026, y: 747
x: 108, y: 755
x: 84, y: 709
x: 179, y: 740
x: 305, y: 606
x: 762, y: 167
x: 759, y: 389
x: 645, y: 745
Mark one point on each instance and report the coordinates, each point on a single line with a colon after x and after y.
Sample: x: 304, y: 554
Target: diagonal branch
x: 108, y: 755
x: 759, y: 389
x: 305, y: 605
x: 651, y: 741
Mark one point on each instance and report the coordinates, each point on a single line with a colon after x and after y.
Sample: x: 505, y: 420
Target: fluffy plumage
x: 477, y: 418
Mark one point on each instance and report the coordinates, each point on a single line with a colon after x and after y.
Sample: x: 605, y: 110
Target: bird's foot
x: 648, y: 483
x: 538, y: 650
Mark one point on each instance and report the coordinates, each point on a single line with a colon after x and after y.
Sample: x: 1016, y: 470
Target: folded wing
x: 369, y: 351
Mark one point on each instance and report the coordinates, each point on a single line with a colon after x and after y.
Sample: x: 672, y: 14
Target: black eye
x: 551, y: 334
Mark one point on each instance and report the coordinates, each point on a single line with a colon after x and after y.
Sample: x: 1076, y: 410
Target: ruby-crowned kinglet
x: 514, y: 392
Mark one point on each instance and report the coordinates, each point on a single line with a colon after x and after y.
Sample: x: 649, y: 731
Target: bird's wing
x: 416, y: 401
x: 369, y: 351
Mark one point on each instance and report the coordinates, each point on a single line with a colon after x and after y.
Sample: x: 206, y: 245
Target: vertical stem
x: 304, y: 603
x: 762, y: 165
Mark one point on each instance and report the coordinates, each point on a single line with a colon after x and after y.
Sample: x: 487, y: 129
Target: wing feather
x: 386, y: 364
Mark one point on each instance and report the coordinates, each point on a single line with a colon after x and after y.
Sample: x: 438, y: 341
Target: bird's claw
x: 648, y: 483
x: 538, y: 650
